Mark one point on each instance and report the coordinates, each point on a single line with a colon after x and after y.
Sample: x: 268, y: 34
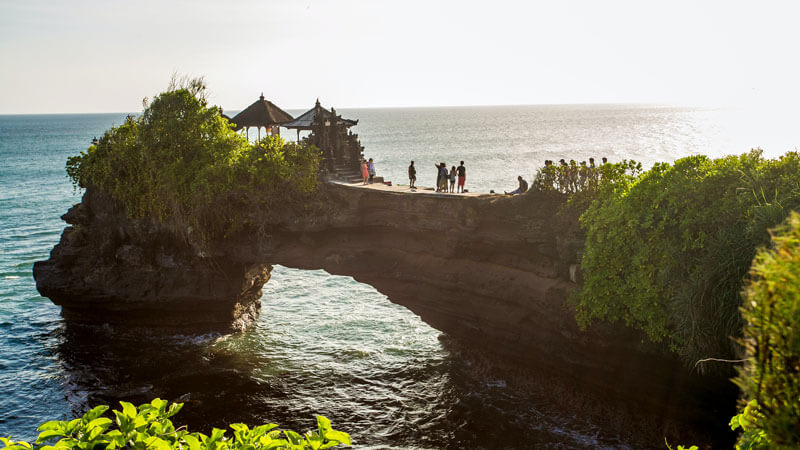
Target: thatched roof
x: 307, y: 119
x: 262, y: 113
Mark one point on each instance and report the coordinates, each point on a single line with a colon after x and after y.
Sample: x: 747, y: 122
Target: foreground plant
x: 149, y: 427
x: 770, y: 380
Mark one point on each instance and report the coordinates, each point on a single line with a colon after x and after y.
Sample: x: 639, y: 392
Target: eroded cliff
x: 492, y: 272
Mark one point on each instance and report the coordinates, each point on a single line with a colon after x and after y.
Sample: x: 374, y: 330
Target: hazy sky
x: 106, y: 55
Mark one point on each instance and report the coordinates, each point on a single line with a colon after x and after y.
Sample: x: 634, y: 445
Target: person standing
x: 364, y: 170
x: 462, y: 177
x: 452, y: 179
x: 412, y: 175
x: 443, y: 177
x: 371, y: 170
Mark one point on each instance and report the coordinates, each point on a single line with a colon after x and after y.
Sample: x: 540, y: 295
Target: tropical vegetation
x: 180, y: 162
x: 770, y: 379
x: 667, y: 251
x: 149, y: 427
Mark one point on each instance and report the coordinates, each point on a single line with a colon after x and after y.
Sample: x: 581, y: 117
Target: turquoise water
x: 323, y: 344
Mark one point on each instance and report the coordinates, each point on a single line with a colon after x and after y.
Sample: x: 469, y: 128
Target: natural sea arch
x: 492, y: 272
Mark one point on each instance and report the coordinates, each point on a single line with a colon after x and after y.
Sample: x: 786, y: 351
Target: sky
x: 83, y: 56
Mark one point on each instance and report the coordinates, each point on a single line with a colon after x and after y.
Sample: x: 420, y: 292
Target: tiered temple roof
x: 306, y: 120
x: 262, y: 113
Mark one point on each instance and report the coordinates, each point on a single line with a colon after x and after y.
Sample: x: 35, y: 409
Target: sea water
x: 323, y: 344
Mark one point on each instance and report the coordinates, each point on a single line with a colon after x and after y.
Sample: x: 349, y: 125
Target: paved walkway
x: 404, y: 189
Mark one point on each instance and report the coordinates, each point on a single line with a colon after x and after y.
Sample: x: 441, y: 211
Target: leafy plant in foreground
x: 770, y: 380
x: 149, y: 427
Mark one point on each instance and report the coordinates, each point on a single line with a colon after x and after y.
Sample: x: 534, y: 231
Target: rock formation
x: 493, y: 272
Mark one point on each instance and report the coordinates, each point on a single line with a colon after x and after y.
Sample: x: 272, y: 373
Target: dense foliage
x: 770, y: 380
x: 582, y: 184
x: 149, y: 427
x: 580, y: 180
x: 667, y: 252
x: 179, y: 162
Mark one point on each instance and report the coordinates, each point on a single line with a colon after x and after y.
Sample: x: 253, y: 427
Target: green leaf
x: 173, y: 409
x: 72, y: 426
x: 121, y: 419
x: 94, y: 413
x: 52, y: 425
x: 293, y: 437
x: 159, y: 404
x: 99, y: 422
x: 277, y: 443
x: 139, y: 422
x: 157, y: 443
x: 156, y: 428
x: 49, y: 434
x: 735, y: 423
x: 192, y: 442
x: 95, y: 433
x: 239, y: 427
x: 338, y: 436
x: 128, y: 409
x: 263, y: 429
x: 314, y: 440
x: 324, y: 425
x: 216, y: 435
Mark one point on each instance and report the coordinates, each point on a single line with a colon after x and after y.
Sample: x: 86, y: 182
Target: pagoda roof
x: 262, y: 113
x: 306, y: 120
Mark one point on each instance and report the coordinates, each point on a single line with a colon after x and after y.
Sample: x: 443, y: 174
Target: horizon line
x: 641, y: 104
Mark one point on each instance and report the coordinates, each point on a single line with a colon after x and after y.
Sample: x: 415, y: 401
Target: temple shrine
x: 331, y: 134
x: 341, y: 149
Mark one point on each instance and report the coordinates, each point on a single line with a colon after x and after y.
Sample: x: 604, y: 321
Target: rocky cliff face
x: 108, y: 269
x: 493, y: 272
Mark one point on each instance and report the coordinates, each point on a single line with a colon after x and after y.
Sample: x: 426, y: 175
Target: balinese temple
x: 331, y: 134
x: 262, y: 113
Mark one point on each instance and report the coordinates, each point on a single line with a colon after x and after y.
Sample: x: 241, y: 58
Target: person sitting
x: 523, y: 186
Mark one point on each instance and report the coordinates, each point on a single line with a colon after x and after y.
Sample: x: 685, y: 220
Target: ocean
x: 324, y: 344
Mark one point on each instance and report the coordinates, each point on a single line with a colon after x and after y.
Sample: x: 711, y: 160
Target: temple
x: 262, y: 113
x: 330, y: 133
x: 341, y: 149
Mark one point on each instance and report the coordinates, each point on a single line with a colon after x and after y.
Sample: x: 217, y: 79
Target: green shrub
x: 770, y: 380
x: 600, y: 182
x: 149, y: 427
x: 667, y: 253
x: 179, y: 162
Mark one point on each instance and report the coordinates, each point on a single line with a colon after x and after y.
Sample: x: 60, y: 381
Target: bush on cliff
x: 667, y: 253
x: 149, y: 427
x: 180, y: 162
x: 770, y: 380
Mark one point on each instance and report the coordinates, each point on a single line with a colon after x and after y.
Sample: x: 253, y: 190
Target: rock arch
x: 493, y: 272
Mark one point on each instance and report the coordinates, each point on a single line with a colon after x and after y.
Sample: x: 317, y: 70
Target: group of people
x: 565, y: 177
x: 367, y: 170
x: 443, y: 177
x: 562, y: 177
x: 569, y: 177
